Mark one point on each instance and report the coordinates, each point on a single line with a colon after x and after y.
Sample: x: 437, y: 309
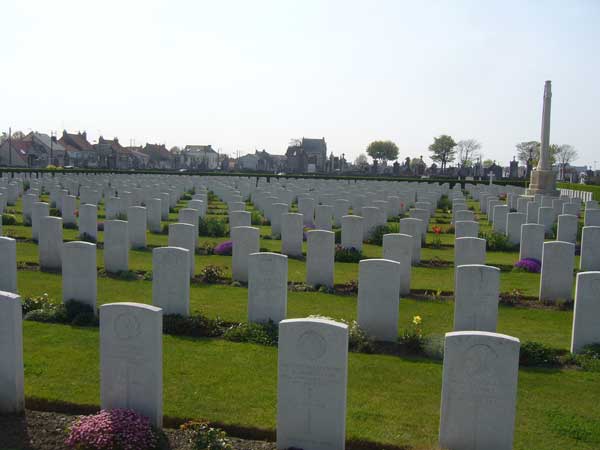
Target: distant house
x: 262, y: 161
x: 14, y: 153
x: 248, y: 162
x: 112, y: 155
x: 307, y: 155
x: 79, y: 152
x: 159, y: 157
x: 200, y: 157
x: 35, y: 150
x: 140, y: 159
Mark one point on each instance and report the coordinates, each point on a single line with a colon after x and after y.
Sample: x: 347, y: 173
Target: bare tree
x: 468, y: 151
x: 564, y: 154
x: 361, y: 162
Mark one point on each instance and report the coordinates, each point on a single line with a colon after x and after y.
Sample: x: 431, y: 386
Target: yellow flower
x: 417, y: 320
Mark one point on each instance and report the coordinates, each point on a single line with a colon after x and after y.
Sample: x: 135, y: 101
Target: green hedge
x: 582, y: 187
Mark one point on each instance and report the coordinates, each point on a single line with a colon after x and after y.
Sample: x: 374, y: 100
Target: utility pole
x: 9, y: 147
x: 51, y: 149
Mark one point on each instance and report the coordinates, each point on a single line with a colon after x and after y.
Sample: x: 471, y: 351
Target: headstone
x: 267, y: 287
x: 171, y: 280
x: 312, y: 384
x: 79, y: 273
x: 469, y: 250
x: 370, y: 215
x: 500, y: 217
x: 12, y: 393
x: 567, y: 228
x: 479, y: 391
x: 190, y: 216
x: 320, y: 256
x: 413, y: 227
x: 116, y: 246
x: 306, y: 207
x: 533, y: 209
x: 154, y: 215
x: 136, y: 216
x: 88, y: 222
x: 38, y: 210
x: 183, y: 235
x: 340, y: 208
x: 571, y: 208
x: 592, y: 218
x: 476, y: 297
x: 291, y: 234
x: 352, y: 232
x: 466, y: 228
x: 379, y: 298
x: 532, y: 241
x: 131, y: 362
x: 8, y: 265
x: 399, y: 247
x: 546, y: 218
x: 586, y: 315
x: 246, y: 240
x: 590, y: 249
x: 323, y: 216
x: 50, y: 243
x: 239, y: 219
x: 277, y: 210
x: 556, y: 282
x: 514, y: 222
x: 68, y: 210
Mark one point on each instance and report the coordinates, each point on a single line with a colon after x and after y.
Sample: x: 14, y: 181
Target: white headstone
x: 586, y: 316
x: 399, y: 247
x: 291, y: 234
x: 379, y: 298
x: 590, y: 249
x: 137, y: 219
x: 320, y: 256
x: 116, y: 246
x: 469, y: 250
x: 183, y: 235
x: 476, y: 296
x: 479, y: 391
x: 12, y: 396
x: 50, y: 243
x: 267, y: 287
x: 246, y: 240
x: 8, y: 265
x: 312, y: 384
x: 171, y: 280
x: 558, y: 263
x: 131, y: 363
x: 79, y: 273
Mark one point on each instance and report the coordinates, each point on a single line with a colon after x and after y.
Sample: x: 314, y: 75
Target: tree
x: 443, y: 149
x: 383, y: 151
x: 467, y: 151
x: 488, y: 163
x: 530, y: 151
x: 175, y: 149
x: 564, y: 154
x: 361, y: 162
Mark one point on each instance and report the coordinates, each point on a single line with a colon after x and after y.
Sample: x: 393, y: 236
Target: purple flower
x: 224, y: 248
x: 110, y: 429
x: 529, y: 265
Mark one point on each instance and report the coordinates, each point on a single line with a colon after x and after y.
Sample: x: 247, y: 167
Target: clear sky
x: 253, y: 74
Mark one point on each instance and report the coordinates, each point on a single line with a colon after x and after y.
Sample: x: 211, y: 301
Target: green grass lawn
x: 393, y: 400
x: 390, y: 400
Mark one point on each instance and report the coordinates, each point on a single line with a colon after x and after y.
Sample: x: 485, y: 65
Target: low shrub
x: 54, y: 212
x: 338, y: 236
x: 412, y: 339
x: 349, y: 255
x: 87, y: 238
x: 538, y: 354
x: 122, y: 429
x: 164, y: 229
x: 497, y: 242
x: 376, y: 235
x: 121, y: 216
x: 186, y: 197
x: 70, y: 226
x: 100, y: 226
x: 531, y: 265
x: 358, y: 340
x: 256, y: 218
x: 72, y: 312
x: 196, y: 325
x: 36, y: 303
x: 444, y: 203
x: 212, y: 227
x: 205, y: 437
x: 9, y: 219
x: 589, y: 358
x: 211, y: 274
x: 255, y: 333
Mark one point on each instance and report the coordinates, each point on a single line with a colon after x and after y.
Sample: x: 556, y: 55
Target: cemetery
x: 308, y: 314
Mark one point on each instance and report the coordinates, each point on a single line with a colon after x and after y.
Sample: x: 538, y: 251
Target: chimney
x: 84, y: 135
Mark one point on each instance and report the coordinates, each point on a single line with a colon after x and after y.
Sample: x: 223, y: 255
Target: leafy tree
x: 488, y: 163
x: 361, y: 162
x: 467, y: 151
x: 443, y: 149
x: 564, y: 154
x: 383, y: 151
